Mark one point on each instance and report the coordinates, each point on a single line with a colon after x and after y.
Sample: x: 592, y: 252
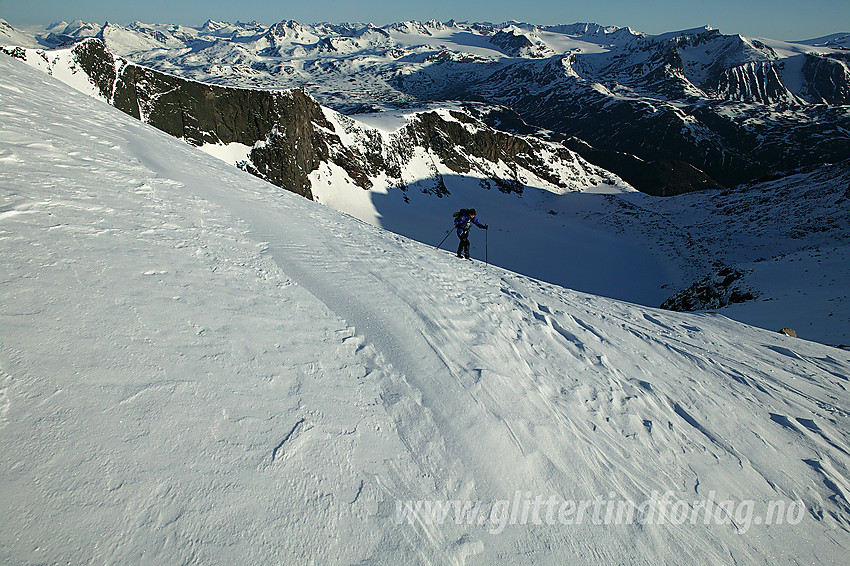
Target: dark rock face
x: 661, y: 178
x: 518, y: 45
x: 462, y: 143
x: 826, y: 78
x: 430, y: 130
x: 753, y: 82
x: 201, y: 113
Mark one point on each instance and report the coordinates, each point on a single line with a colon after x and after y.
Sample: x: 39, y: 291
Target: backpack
x: 461, y: 218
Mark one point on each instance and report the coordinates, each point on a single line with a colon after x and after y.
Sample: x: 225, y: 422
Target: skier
x: 463, y: 220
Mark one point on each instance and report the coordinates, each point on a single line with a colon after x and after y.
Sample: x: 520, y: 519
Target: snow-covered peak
x: 212, y: 25
x: 578, y: 29
x: 591, y: 32
x: 410, y: 27
x: 517, y: 41
x: 137, y: 38
x: 697, y: 33
x: 835, y: 41
x: 438, y: 25
x: 80, y: 27
x: 9, y: 35
x: 290, y: 29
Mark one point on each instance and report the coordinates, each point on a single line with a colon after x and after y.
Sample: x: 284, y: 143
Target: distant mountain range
x: 669, y: 113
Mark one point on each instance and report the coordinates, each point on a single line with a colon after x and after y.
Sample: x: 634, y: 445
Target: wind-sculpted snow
x: 198, y: 367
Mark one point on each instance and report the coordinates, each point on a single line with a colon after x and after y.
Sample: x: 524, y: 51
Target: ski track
x: 268, y: 377
x: 431, y: 338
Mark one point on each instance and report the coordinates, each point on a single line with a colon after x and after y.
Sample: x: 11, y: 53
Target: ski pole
x: 444, y: 239
x: 486, y: 261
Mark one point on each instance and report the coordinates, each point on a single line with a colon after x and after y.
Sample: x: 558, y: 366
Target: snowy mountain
x: 9, y: 35
x: 835, y: 40
x: 407, y: 170
x: 734, y: 108
x: 197, y: 367
x: 285, y: 137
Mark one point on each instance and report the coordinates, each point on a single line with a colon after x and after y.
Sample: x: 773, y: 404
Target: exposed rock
x: 828, y: 78
x: 751, y: 82
x: 713, y: 292
x: 516, y: 44
x: 287, y: 122
x: 788, y: 332
x: 662, y: 177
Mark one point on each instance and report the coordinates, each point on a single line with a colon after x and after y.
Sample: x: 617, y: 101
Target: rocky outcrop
x: 289, y: 124
x: 714, y: 292
x: 752, y: 82
x: 516, y: 44
x: 445, y: 137
x: 464, y: 145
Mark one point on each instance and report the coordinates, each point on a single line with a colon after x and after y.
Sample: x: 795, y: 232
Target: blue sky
x: 778, y: 19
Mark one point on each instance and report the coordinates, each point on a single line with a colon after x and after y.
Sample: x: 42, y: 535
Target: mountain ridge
x: 287, y: 135
x: 735, y: 108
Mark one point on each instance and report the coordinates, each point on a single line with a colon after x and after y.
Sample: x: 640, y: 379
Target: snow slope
x: 9, y: 35
x: 791, y: 236
x: 589, y: 231
x: 198, y: 368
